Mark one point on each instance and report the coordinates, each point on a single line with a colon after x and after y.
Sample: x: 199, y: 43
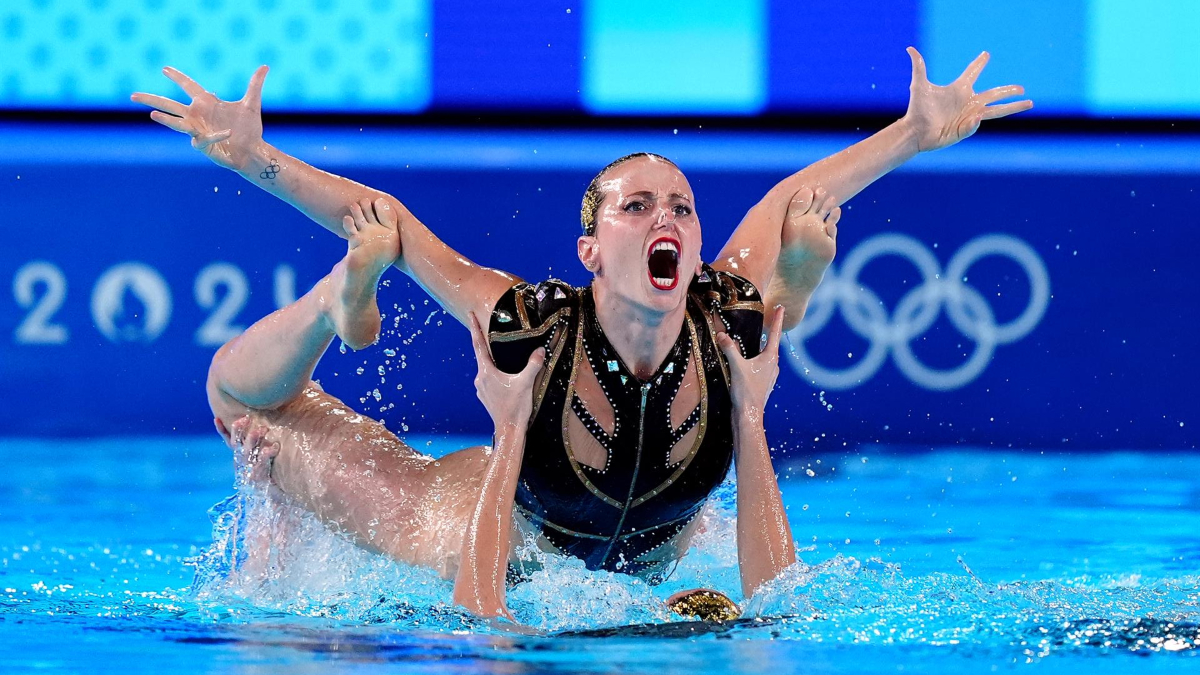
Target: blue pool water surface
x: 950, y: 560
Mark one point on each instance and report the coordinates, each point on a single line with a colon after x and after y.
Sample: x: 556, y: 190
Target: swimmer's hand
x: 508, y: 398
x: 227, y: 132
x: 751, y: 380
x: 942, y: 116
x: 254, y: 446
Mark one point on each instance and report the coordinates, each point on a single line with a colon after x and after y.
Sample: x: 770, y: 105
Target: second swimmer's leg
x: 273, y: 361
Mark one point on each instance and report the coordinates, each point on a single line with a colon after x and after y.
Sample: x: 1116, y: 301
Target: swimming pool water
x: 946, y: 560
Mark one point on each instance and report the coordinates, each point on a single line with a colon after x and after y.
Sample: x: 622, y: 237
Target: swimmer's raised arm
x: 787, y: 260
x: 479, y: 585
x: 764, y: 537
x: 230, y: 134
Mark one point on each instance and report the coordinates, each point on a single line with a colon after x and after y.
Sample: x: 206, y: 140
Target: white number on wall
x: 218, y: 329
x: 131, y: 302
x: 146, y: 314
x: 285, y: 286
x: 37, y: 328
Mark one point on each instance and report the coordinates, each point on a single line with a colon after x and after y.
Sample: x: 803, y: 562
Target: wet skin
x: 783, y: 245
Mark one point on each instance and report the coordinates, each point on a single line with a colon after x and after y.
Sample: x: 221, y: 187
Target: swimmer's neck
x: 642, y: 336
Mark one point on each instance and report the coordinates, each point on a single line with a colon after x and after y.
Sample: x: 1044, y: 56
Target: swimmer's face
x: 646, y: 246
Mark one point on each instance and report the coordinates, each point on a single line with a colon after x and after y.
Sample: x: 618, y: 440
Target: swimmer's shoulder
x: 733, y: 304
x: 525, y: 317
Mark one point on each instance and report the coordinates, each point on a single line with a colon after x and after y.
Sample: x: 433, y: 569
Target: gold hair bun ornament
x: 704, y: 604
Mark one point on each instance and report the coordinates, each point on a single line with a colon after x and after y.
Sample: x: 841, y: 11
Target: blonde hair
x: 592, y: 197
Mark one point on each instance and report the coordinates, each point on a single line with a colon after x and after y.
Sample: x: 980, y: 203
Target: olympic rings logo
x: 916, y: 312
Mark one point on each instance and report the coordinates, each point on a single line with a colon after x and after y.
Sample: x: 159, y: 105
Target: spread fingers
x: 160, y: 103
x: 172, y: 122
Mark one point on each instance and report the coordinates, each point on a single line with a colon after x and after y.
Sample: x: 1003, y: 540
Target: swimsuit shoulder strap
x: 734, y: 304
x: 524, y: 319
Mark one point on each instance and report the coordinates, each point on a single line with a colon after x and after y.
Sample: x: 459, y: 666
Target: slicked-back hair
x: 593, y: 196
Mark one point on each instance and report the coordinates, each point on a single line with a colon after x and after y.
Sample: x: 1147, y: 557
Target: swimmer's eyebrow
x: 648, y: 193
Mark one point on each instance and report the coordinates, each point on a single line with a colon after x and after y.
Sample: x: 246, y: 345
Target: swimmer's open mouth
x: 662, y: 263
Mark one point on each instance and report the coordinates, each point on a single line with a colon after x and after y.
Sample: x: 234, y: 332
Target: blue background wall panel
x: 495, y: 54
x: 1110, y: 364
x: 1042, y: 46
x: 811, y: 41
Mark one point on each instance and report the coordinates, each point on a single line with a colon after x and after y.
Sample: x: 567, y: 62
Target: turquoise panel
x: 1037, y: 44
x: 324, y: 55
x: 674, y: 56
x: 1145, y: 57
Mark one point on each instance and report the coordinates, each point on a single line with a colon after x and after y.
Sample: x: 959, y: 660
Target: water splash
x: 317, y: 573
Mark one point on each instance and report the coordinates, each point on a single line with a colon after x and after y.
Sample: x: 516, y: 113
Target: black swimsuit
x: 615, y: 518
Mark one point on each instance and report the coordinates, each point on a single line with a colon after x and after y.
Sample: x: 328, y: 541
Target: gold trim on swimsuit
x: 549, y: 323
x: 567, y: 412
x: 522, y: 312
x: 548, y: 373
x: 752, y: 305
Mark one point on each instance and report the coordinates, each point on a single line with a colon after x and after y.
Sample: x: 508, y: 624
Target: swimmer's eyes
x: 638, y: 207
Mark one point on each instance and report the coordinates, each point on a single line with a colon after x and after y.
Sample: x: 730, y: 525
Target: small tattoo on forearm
x: 271, y: 171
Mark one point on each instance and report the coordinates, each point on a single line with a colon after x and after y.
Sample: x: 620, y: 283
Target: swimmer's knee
x: 224, y: 406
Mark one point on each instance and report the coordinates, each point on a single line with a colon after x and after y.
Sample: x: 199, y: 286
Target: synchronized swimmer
x: 618, y: 407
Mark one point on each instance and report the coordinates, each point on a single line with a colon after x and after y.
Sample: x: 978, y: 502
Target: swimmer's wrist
x: 911, y: 137
x: 748, y: 415
x: 509, y: 434
x: 256, y: 160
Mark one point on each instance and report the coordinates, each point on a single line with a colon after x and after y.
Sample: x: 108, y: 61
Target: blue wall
x: 735, y: 57
x: 123, y: 245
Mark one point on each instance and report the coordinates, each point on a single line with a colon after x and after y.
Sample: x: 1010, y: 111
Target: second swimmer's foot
x: 809, y: 238
x: 374, y: 243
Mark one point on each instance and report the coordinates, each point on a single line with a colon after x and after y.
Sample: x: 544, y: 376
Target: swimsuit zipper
x: 637, y: 463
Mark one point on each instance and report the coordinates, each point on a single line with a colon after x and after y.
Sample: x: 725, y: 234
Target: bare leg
x: 273, y: 361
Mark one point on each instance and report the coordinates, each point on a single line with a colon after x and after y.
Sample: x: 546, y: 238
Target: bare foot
x: 374, y: 243
x: 809, y: 244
